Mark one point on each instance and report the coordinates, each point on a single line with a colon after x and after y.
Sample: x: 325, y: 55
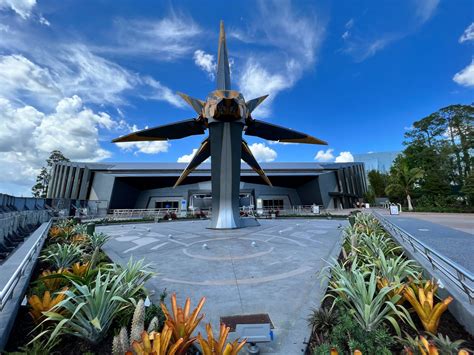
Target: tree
x: 40, y: 189
x: 468, y: 189
x: 403, y: 180
x: 378, y: 182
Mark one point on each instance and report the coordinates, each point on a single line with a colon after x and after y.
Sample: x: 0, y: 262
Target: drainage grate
x: 232, y: 321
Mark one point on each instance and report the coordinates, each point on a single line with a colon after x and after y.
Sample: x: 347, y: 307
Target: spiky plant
x: 423, y: 302
x: 395, y: 269
x: 53, y: 280
x: 322, y: 320
x: 154, y: 324
x: 62, y: 255
x: 40, y: 305
x: 97, y: 240
x: 182, y: 322
x: 219, y: 346
x: 369, y: 308
x: 446, y: 345
x: 121, y: 343
x: 157, y: 344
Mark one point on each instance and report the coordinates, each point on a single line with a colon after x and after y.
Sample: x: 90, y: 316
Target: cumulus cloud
x: 27, y: 136
x: 466, y: 76
x: 205, y: 62
x: 186, y: 158
x: 151, y: 147
x: 324, y: 155
x: 291, y: 42
x: 344, y: 157
x: 468, y: 34
x: 22, y: 8
x: 262, y: 153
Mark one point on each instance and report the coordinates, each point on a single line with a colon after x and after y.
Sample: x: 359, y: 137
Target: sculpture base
x: 241, y: 223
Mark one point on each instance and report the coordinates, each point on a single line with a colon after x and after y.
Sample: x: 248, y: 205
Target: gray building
x: 150, y: 185
x: 380, y: 161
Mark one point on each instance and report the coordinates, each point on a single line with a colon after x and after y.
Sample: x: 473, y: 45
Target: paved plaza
x: 456, y: 244
x: 270, y: 269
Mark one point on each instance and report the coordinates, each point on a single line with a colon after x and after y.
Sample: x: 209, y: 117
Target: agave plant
x: 181, y: 322
x: 424, y: 305
x: 218, y: 346
x: 62, y: 255
x: 370, y: 308
x: 40, y: 305
x: 97, y: 240
x: 134, y: 273
x: 156, y: 344
x: 90, y: 309
x: 395, y: 268
x: 372, y: 244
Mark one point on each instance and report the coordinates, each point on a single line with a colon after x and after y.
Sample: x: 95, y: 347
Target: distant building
x: 380, y: 161
x: 150, y: 185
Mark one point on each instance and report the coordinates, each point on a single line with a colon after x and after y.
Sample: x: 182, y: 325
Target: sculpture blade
x: 175, y: 130
x: 223, y: 69
x: 252, y: 104
x: 248, y: 157
x: 278, y: 133
x: 203, y: 152
x: 196, y: 104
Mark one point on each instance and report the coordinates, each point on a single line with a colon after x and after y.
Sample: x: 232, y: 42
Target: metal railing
x: 12, y: 282
x: 456, y: 274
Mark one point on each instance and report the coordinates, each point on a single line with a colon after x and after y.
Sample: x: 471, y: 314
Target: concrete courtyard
x: 269, y: 269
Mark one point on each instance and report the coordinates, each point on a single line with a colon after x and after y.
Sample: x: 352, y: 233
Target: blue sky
x: 76, y: 74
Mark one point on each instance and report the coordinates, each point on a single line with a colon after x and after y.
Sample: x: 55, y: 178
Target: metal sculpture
x: 226, y: 114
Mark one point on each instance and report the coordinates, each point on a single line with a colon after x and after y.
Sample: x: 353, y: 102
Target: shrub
x: 322, y: 320
x: 97, y: 240
x: 347, y: 336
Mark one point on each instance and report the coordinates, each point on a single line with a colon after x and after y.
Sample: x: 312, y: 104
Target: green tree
x: 40, y: 188
x: 468, y: 189
x: 378, y: 181
x: 403, y: 180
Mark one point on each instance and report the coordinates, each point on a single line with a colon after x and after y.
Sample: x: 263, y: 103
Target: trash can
x: 90, y: 228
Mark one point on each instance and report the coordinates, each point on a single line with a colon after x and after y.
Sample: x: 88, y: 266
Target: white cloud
x: 262, y: 153
x: 186, y: 158
x: 425, y: 9
x: 324, y: 156
x: 291, y: 42
x: 165, y: 39
x: 344, y: 157
x: 22, y: 8
x: 466, y: 76
x: 27, y: 136
x: 74, y: 70
x: 205, y: 62
x: 369, y: 36
x: 151, y: 147
x: 468, y: 34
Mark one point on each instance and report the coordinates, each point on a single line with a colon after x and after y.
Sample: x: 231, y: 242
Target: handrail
x: 9, y: 287
x: 458, y: 275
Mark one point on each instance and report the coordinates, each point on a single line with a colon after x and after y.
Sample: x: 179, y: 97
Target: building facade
x: 150, y: 185
x: 380, y: 161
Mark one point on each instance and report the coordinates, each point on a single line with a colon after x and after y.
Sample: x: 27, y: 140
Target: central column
x: 226, y: 138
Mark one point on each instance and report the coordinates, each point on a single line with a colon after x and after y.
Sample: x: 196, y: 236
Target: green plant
x: 97, y: 240
x: 37, y: 347
x: 446, y: 345
x: 62, y: 255
x: 372, y: 244
x: 133, y: 273
x: 90, y: 308
x: 368, y: 307
x: 347, y: 336
x: 395, y: 268
x: 322, y: 320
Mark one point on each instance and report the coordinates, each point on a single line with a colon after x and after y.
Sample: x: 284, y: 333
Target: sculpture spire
x: 223, y: 70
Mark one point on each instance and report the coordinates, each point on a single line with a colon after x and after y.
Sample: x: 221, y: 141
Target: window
x: 166, y: 204
x: 273, y: 204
